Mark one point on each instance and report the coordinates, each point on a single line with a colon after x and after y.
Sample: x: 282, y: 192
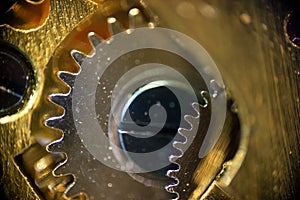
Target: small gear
x: 126, y: 105
x: 195, y: 174
x: 93, y: 177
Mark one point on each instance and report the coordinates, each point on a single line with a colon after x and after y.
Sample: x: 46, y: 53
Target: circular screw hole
x: 138, y: 110
x: 293, y: 28
x: 16, y: 79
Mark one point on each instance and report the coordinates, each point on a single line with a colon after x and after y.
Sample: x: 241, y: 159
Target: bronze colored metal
x: 260, y: 67
x: 26, y: 15
x: 16, y: 132
x: 247, y: 40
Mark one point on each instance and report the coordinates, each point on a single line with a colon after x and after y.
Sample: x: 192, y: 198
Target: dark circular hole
x: 138, y: 109
x: 16, y: 78
x: 293, y: 28
x: 139, y: 113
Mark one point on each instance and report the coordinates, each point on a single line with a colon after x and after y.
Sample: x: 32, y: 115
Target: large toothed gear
x: 92, y: 177
x: 117, y: 145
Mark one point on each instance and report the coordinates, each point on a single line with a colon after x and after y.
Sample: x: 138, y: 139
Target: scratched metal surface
x: 261, y: 69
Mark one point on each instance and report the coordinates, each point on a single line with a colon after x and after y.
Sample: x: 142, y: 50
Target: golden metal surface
x: 16, y: 133
x: 25, y: 16
x: 261, y: 69
x: 258, y: 63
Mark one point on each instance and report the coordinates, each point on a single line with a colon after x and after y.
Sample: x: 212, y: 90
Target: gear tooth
x: 58, y: 122
x: 172, y: 173
x: 59, y: 156
x: 40, y: 164
x: 180, y: 146
x: 78, y: 56
x: 191, y: 120
x: 58, y: 186
x: 136, y: 18
x: 114, y: 26
x: 54, y: 123
x: 59, y: 99
x: 205, y: 96
x: 170, y: 188
x: 196, y: 107
x: 217, y: 87
x: 94, y: 39
x: 68, y: 78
